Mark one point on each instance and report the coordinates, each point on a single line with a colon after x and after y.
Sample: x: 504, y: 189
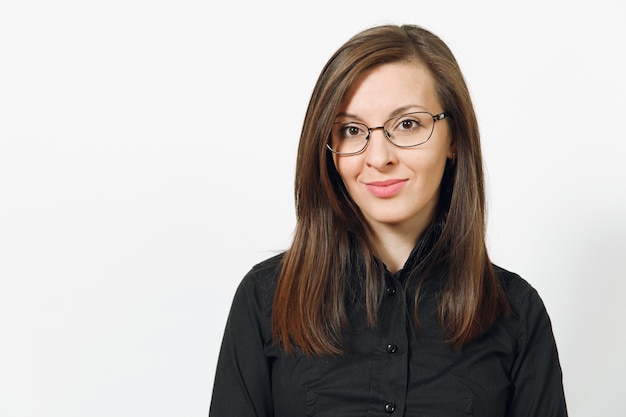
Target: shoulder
x: 527, y: 307
x: 515, y: 287
x: 265, y: 272
x: 251, y: 308
x: 260, y: 282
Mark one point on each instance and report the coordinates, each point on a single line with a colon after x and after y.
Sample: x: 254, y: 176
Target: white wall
x: 134, y: 195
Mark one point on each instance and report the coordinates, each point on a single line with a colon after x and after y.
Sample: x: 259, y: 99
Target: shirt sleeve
x: 242, y: 384
x: 536, y: 374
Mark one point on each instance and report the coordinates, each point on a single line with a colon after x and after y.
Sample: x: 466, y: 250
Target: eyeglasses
x: 406, y: 131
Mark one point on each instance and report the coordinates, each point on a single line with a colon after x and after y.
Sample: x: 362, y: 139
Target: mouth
x: 387, y: 188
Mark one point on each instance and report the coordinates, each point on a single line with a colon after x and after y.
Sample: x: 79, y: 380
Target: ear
x: 452, y: 152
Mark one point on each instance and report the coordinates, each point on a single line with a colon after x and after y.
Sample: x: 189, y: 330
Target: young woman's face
x: 394, y: 186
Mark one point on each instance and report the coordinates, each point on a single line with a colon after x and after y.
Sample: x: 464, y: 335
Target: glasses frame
x: 436, y: 118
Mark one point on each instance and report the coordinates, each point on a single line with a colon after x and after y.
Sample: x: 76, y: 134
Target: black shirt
x: 391, y: 370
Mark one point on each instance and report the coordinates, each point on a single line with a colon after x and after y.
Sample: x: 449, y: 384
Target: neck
x: 393, y: 246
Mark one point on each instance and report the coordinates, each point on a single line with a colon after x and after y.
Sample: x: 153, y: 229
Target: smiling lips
x: 385, y: 189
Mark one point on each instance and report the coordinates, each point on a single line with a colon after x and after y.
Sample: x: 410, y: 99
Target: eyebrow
x: 397, y: 112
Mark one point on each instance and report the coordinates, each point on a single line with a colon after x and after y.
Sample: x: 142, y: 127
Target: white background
x: 147, y: 155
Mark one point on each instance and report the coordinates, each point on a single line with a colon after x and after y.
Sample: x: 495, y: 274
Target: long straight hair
x: 331, y: 240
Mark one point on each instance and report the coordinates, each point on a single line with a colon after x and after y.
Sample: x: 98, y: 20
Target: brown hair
x: 330, y: 239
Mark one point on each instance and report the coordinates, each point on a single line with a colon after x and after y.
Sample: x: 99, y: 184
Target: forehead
x: 385, y: 88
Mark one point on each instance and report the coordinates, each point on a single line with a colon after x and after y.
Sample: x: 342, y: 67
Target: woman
x: 386, y: 302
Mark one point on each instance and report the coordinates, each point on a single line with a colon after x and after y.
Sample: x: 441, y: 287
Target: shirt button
x: 390, y: 407
x: 390, y: 290
x: 391, y: 348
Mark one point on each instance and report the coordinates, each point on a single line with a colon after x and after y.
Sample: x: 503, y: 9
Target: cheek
x: 428, y: 176
x: 428, y: 165
x: 347, y: 168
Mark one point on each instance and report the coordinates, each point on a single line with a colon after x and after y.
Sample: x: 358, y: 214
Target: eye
x: 407, y: 124
x: 352, y: 130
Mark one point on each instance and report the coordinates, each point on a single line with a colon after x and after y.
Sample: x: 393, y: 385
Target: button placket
x: 394, y: 371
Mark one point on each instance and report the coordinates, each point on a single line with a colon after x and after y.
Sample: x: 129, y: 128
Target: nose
x: 380, y: 152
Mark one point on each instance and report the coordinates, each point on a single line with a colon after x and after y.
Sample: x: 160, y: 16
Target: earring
x: 453, y: 161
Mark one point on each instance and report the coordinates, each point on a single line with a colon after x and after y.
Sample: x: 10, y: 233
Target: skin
x: 395, y: 222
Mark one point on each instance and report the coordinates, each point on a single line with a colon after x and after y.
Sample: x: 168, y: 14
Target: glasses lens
x: 348, y: 137
x: 410, y: 129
